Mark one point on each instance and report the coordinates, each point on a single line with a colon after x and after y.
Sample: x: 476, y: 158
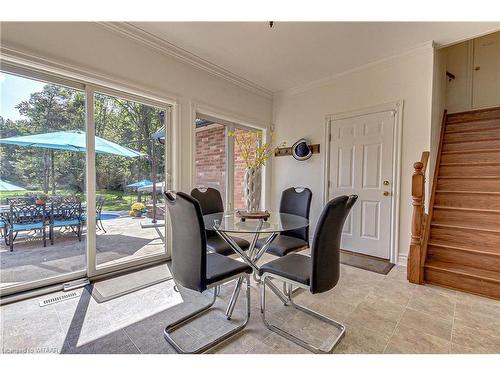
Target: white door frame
x: 397, y: 109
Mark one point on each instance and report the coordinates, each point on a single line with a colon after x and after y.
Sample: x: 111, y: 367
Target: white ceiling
x: 292, y: 54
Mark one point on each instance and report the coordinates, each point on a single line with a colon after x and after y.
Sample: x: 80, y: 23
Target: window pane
x: 42, y: 180
x: 239, y: 172
x: 210, y: 159
x: 129, y: 160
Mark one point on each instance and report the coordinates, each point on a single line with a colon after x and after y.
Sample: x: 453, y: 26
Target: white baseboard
x: 402, y: 259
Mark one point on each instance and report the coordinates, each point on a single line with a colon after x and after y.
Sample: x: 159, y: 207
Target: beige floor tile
x: 432, y: 325
x: 394, y: 291
x: 413, y: 341
x: 476, y: 340
x: 433, y: 301
x: 360, y: 340
x: 380, y: 316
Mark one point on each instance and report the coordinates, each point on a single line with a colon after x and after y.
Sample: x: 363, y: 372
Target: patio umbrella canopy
x: 70, y: 141
x: 6, y: 186
x: 140, y: 184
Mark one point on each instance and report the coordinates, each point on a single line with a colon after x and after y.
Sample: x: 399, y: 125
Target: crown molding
x: 136, y: 34
x: 423, y: 47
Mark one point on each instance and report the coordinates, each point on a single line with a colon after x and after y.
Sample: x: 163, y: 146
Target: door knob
x: 386, y: 182
x: 386, y: 193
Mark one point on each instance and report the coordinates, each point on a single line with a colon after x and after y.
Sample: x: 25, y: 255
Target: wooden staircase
x: 460, y: 241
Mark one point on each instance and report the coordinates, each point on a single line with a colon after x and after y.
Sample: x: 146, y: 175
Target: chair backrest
x: 325, y: 251
x: 189, y: 242
x: 25, y: 212
x: 210, y: 200
x: 66, y: 209
x: 297, y: 202
x: 99, y: 204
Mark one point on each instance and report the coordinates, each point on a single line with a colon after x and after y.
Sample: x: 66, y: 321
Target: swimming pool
x: 109, y: 216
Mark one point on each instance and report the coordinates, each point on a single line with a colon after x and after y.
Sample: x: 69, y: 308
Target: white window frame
x: 68, y: 79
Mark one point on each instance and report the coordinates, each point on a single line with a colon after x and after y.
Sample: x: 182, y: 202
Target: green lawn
x: 113, y: 200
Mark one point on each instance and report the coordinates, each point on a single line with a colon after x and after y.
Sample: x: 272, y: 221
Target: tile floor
x: 383, y: 314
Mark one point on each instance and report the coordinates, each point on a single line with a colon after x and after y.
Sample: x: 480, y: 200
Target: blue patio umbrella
x: 73, y: 140
x: 6, y: 186
x: 70, y: 141
x: 140, y: 184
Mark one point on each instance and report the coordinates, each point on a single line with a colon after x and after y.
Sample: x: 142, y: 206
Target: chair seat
x: 296, y: 267
x: 283, y: 245
x: 31, y: 226
x: 217, y: 245
x: 66, y: 223
x: 220, y: 267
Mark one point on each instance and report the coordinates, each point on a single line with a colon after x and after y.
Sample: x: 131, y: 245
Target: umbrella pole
x: 53, y: 172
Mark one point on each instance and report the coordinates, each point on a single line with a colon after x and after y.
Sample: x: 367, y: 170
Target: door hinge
x: 330, y: 137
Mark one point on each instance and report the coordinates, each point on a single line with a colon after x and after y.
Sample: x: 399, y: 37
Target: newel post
x: 415, y: 253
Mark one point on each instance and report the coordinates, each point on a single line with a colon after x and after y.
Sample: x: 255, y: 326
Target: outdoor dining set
x: 31, y: 215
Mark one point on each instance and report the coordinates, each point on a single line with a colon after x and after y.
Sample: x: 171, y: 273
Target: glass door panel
x: 130, y: 178
x: 211, y: 156
x: 42, y: 182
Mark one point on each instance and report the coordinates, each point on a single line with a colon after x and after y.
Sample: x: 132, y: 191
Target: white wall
x: 94, y: 48
x: 302, y: 114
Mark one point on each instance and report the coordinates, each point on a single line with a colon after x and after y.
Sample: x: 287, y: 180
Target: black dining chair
x: 295, y: 201
x: 196, y: 269
x: 318, y: 273
x: 211, y: 202
x: 25, y: 216
x: 66, y: 213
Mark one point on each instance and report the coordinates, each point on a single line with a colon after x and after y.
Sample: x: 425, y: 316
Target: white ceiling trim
x: 135, y: 33
x: 427, y: 46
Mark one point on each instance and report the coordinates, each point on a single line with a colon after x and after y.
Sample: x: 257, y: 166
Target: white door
x: 486, y: 80
x: 361, y: 163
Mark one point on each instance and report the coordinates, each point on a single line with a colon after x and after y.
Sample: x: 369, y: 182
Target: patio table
x: 228, y: 223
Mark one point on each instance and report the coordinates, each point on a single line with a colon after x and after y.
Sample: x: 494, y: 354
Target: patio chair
x: 98, y: 209
x: 66, y: 213
x: 25, y: 216
x: 211, y: 202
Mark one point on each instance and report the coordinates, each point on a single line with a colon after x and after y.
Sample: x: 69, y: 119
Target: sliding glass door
x: 130, y: 177
x: 42, y: 182
x: 81, y: 179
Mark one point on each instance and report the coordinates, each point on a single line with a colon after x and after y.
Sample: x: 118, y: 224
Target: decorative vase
x: 252, y: 183
x: 137, y: 213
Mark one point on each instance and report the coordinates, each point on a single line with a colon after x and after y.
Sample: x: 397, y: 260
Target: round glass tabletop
x: 277, y: 222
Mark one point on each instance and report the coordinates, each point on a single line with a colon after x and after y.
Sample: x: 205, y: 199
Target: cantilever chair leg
x: 195, y: 314
x: 310, y: 312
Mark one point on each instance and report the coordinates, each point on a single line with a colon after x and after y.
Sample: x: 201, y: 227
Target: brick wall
x: 210, y: 162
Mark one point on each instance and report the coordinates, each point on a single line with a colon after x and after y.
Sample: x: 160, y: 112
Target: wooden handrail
x: 420, y: 226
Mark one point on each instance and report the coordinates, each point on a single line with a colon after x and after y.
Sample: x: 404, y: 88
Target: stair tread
x: 468, y: 192
x: 464, y: 270
x: 472, y: 141
x: 469, y: 209
x: 466, y: 227
x: 471, y: 151
x: 471, y: 177
x: 471, y: 164
x: 460, y: 248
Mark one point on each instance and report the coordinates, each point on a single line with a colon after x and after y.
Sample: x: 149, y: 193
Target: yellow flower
x: 138, y: 206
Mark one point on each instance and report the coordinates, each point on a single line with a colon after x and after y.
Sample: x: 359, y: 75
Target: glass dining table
x: 226, y: 224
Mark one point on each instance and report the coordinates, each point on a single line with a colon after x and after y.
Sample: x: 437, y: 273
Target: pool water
x: 109, y: 216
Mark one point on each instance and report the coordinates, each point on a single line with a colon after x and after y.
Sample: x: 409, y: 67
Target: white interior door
x: 361, y: 163
x: 486, y: 79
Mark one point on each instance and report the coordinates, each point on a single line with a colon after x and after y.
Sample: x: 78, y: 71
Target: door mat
x: 117, y: 286
x: 366, y: 262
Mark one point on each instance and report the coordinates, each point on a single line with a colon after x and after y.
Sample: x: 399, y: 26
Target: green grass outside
x: 113, y: 200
